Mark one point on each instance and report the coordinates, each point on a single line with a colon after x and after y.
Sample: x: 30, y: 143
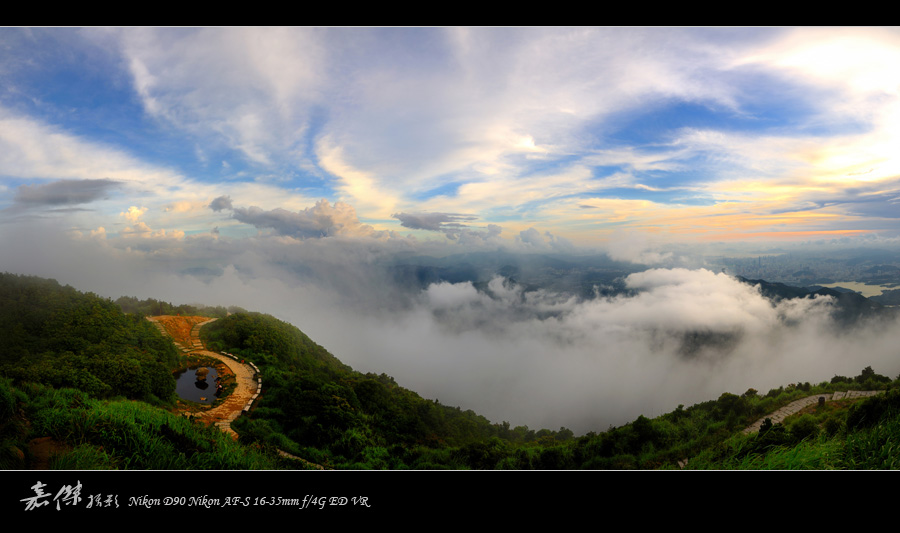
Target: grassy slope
x: 863, y: 434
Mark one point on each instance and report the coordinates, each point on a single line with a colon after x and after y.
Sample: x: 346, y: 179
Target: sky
x: 276, y: 168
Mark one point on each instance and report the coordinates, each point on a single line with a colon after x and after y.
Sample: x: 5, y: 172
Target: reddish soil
x: 179, y: 327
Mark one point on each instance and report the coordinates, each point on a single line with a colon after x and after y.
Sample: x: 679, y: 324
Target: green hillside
x: 60, y: 337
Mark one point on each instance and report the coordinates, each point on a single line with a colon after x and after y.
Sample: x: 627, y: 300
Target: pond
x: 188, y: 387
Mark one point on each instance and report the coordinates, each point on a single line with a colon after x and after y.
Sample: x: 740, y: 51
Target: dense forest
x: 94, y: 379
x: 60, y: 337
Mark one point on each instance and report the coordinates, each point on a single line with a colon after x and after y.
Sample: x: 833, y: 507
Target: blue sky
x: 785, y: 133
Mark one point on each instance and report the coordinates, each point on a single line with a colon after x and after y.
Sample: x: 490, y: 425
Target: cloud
x: 433, y: 221
x: 546, y: 359
x: 634, y: 247
x: 451, y: 225
x: 220, y: 203
x: 134, y: 213
x: 144, y: 231
x: 535, y: 239
x: 322, y: 220
x: 503, y: 123
x: 240, y: 87
x: 65, y: 192
x: 30, y: 148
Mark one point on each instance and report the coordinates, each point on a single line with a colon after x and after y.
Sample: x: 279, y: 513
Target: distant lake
x: 862, y: 288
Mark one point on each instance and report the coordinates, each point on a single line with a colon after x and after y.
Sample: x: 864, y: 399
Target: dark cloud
x: 321, y: 220
x: 451, y: 225
x: 220, y: 203
x: 433, y: 221
x: 64, y: 192
x: 284, y: 222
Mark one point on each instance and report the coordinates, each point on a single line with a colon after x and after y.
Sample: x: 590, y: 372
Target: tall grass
x: 128, y: 434
x: 84, y: 457
x: 871, y: 441
x: 875, y: 448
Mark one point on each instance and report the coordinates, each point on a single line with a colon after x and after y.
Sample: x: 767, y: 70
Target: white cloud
x: 134, y: 213
x: 35, y: 150
x: 249, y: 87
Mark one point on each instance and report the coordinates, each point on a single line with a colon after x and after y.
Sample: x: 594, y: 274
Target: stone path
x: 797, y: 405
x: 778, y: 416
x: 247, y: 379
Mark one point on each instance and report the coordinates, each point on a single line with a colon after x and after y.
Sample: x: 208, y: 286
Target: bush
x: 869, y: 412
x: 803, y: 427
x: 833, y: 425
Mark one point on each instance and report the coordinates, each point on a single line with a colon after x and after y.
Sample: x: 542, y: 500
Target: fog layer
x: 536, y: 357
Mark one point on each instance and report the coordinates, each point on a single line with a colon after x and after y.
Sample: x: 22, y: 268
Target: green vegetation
x: 85, y: 385
x: 88, y: 433
x: 60, y: 337
x: 858, y: 435
x: 88, y: 385
x: 152, y: 307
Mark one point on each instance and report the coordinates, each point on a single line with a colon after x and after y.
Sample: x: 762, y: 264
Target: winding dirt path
x: 185, y: 332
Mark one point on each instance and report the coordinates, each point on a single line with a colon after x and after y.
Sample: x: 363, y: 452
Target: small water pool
x: 188, y: 387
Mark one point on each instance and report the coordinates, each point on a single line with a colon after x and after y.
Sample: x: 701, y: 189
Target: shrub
x: 870, y: 412
x: 804, y: 427
x: 833, y: 426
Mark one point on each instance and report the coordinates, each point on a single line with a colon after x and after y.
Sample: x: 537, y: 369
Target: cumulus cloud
x: 134, y: 213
